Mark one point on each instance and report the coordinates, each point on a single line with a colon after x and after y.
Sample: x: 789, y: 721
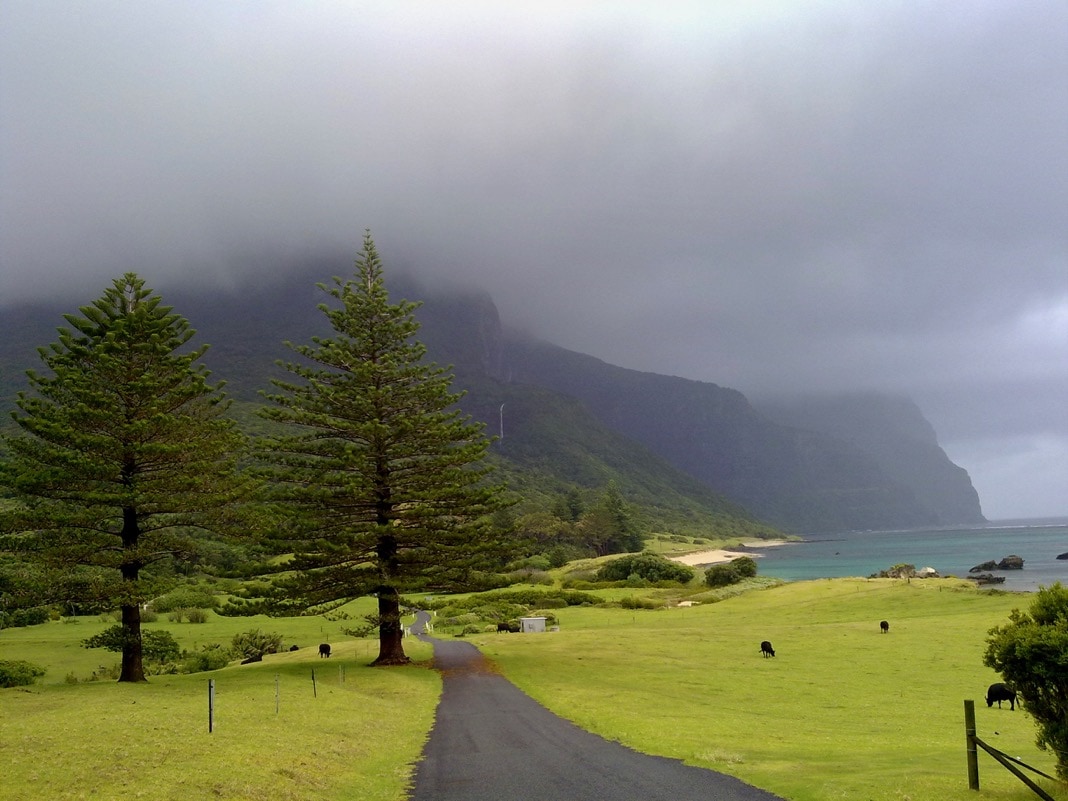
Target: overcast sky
x: 771, y: 196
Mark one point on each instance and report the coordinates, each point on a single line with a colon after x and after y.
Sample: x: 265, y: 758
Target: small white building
x: 531, y: 625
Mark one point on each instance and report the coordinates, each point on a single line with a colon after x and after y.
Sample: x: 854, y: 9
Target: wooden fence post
x: 211, y: 705
x: 973, y: 753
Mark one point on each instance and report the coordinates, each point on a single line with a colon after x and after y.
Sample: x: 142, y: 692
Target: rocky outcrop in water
x: 1008, y: 563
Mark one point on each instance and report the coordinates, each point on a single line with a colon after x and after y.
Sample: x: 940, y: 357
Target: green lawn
x: 355, y: 734
x: 842, y: 711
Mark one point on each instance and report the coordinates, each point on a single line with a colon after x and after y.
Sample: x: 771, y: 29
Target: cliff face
x: 894, y: 432
x: 857, y: 462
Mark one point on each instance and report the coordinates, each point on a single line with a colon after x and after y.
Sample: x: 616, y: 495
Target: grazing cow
x: 884, y: 626
x: 1001, y: 692
x: 508, y: 627
x: 324, y: 649
x: 294, y: 648
x: 766, y: 650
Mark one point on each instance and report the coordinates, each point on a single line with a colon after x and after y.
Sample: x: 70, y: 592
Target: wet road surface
x: 492, y: 742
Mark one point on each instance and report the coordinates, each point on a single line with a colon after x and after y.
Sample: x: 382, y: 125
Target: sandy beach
x: 720, y: 555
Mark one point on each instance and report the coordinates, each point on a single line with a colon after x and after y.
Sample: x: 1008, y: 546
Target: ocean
x: 950, y: 551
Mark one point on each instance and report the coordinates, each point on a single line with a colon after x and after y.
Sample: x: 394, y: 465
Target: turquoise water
x: 950, y: 551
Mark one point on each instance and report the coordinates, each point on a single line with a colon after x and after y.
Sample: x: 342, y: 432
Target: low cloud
x: 769, y: 196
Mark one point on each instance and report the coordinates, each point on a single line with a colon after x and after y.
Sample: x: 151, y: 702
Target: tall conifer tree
x: 126, y: 452
x: 381, y: 482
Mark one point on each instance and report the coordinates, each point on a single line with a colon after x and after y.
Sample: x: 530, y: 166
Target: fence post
x: 277, y: 694
x: 973, y: 754
x: 211, y: 705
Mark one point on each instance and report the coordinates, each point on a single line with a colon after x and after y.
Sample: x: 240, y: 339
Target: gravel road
x: 492, y: 742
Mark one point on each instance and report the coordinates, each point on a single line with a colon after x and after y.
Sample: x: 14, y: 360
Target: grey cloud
x: 765, y: 195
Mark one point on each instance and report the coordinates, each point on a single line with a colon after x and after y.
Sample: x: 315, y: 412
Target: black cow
x: 1001, y: 692
x: 766, y: 650
x: 294, y: 648
x: 884, y: 626
x: 324, y: 650
x: 507, y: 627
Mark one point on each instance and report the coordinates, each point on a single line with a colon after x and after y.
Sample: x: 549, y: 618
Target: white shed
x: 530, y: 625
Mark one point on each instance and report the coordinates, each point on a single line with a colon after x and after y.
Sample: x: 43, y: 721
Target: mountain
x: 807, y: 464
x: 692, y: 454
x: 893, y: 431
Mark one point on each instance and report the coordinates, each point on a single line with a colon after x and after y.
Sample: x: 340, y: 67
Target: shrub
x: 744, y: 566
x: 192, y: 614
x: 24, y: 617
x: 156, y: 646
x: 1029, y: 652
x: 553, y: 603
x: 195, y: 615
x: 18, y: 673
x: 211, y: 657
x: 185, y: 597
x: 637, y: 602
x: 254, y: 644
x: 721, y: 576
x: 528, y: 576
x: 646, y: 566
x: 538, y: 562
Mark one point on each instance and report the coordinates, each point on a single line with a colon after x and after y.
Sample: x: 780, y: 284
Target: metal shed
x: 531, y: 625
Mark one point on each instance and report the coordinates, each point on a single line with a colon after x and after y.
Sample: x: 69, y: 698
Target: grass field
x: 355, y: 735
x: 842, y: 712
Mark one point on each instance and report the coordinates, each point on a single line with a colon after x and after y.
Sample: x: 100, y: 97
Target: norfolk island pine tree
x: 378, y: 485
x: 126, y: 455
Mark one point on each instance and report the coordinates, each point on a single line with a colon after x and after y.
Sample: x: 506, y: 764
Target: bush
x: 18, y: 673
x: 539, y: 562
x: 156, y: 646
x: 255, y: 644
x: 637, y: 602
x: 17, y: 618
x: 185, y: 597
x: 192, y: 614
x: 721, y: 576
x: 528, y: 576
x: 211, y: 657
x: 195, y: 615
x: 1029, y: 653
x: 553, y: 603
x: 745, y: 566
x: 645, y: 566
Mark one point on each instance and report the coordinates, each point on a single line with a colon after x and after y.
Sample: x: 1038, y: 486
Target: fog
x: 772, y: 196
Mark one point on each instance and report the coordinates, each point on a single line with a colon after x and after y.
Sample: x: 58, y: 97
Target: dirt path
x: 492, y: 742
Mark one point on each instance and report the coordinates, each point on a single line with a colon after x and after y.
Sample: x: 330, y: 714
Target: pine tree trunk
x: 133, y: 668
x: 390, y: 635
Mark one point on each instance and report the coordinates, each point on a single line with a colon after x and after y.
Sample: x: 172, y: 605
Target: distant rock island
x: 1008, y: 563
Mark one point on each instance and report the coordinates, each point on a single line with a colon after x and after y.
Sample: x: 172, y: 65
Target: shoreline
x: 717, y: 556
